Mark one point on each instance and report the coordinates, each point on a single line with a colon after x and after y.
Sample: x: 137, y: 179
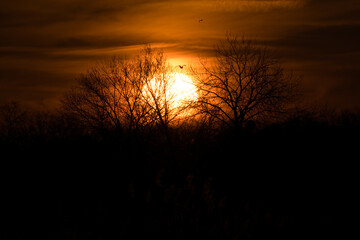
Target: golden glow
x: 176, y: 90
x: 184, y: 89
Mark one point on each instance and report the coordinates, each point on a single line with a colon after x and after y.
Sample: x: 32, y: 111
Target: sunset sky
x: 45, y: 44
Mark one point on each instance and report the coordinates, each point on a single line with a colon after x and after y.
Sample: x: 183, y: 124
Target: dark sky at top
x: 45, y: 44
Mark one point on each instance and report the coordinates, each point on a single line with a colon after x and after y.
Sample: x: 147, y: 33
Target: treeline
x: 23, y: 128
x: 306, y: 141
x: 281, y: 180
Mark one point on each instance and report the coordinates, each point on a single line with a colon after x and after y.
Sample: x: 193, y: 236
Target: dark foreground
x: 273, y: 184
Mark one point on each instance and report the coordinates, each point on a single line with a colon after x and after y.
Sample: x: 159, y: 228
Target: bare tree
x: 244, y: 83
x: 125, y: 93
x: 154, y: 87
x: 107, y: 96
x: 13, y: 121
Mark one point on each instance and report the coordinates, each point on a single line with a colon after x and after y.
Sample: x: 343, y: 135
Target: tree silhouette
x: 12, y: 121
x: 245, y: 83
x: 154, y: 87
x: 126, y: 94
x: 105, y: 97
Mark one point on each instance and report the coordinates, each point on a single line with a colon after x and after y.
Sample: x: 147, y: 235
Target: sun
x: 183, y: 89
x: 175, y: 90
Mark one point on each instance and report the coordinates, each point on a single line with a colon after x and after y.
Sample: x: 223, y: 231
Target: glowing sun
x: 183, y: 88
x: 176, y: 90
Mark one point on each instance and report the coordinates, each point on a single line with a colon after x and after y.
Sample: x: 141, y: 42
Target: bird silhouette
x: 181, y: 66
x: 200, y: 20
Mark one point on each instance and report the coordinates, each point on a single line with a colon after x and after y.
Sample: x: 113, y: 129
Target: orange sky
x: 44, y: 44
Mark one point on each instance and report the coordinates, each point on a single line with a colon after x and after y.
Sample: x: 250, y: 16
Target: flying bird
x: 200, y: 20
x: 181, y: 66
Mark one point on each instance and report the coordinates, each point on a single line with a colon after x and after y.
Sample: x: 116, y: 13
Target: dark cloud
x: 320, y: 42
